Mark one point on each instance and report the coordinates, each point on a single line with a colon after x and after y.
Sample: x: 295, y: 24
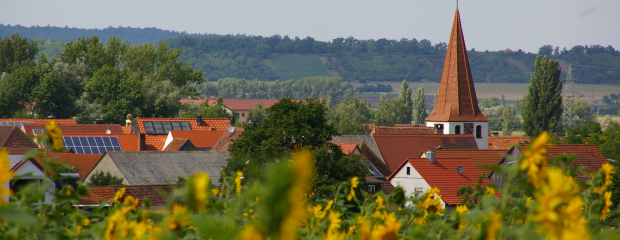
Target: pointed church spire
x: 456, y: 99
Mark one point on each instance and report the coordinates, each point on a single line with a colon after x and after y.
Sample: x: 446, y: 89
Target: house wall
x: 499, y: 179
x: 106, y: 165
x: 34, y: 173
x: 449, y: 128
x: 411, y: 181
x: 243, y: 115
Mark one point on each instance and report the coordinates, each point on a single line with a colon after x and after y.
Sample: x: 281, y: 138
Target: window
x: 372, y: 170
x: 371, y: 188
x: 457, y: 129
x: 237, y: 114
x: 478, y: 131
x: 408, y: 170
x: 418, y: 191
x: 243, y: 114
x: 163, y: 127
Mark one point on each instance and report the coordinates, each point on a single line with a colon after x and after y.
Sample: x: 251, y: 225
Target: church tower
x: 457, y: 111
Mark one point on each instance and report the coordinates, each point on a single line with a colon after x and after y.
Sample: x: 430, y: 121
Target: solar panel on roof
x: 163, y: 127
x: 372, y: 170
x: 18, y: 124
x: 39, y: 130
x: 92, y: 145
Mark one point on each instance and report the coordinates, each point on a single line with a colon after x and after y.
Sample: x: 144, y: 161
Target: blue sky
x: 488, y: 24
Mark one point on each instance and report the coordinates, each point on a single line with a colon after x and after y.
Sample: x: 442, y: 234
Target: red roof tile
x: 85, y: 162
x: 157, y: 193
x: 39, y: 121
x: 78, y: 128
x: 456, y: 98
x: 11, y: 136
x: 396, y: 148
x: 129, y: 142
x: 404, y: 130
x: 347, y: 147
x: 506, y: 143
x: 480, y: 157
x: 200, y: 139
x: 226, y: 139
x: 177, y: 145
x: 98, y: 194
x: 442, y: 174
x: 588, y: 155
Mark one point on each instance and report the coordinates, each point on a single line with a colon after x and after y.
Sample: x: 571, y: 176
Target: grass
x: 296, y: 66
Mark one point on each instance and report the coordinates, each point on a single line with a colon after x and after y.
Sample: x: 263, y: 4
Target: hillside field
x: 296, y: 66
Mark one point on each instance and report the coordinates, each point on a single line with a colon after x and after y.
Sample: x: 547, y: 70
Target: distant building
x: 456, y: 110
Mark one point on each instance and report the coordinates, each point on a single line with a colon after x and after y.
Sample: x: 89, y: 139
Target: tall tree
x: 14, y: 51
x: 118, y: 93
x: 419, y: 104
x: 543, y: 103
x: 406, y: 95
x: 258, y: 114
x: 508, y: 121
x: 349, y: 117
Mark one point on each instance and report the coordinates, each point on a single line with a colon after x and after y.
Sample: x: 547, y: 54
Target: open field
x: 296, y: 66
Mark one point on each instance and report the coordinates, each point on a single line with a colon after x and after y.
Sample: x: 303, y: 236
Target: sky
x: 487, y: 24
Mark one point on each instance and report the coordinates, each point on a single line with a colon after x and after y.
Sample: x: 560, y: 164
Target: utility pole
x: 569, y: 95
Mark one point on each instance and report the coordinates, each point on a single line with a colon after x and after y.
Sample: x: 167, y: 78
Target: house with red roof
x: 397, y: 147
x: 506, y: 142
x: 20, y: 122
x: 84, y: 163
x: 456, y: 109
x: 13, y: 137
x: 482, y: 158
x: 588, y: 156
x: 29, y: 171
x: 418, y: 175
x: 377, y: 170
x: 35, y: 129
x: 202, y: 140
x: 152, y: 133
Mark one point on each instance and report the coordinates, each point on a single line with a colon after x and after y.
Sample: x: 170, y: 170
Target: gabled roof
x: 39, y: 121
x: 226, y: 139
x: 84, y: 162
x: 128, y: 142
x: 179, y: 144
x: 207, y: 124
x: 77, y: 128
x: 588, y: 155
x: 98, y: 194
x: 157, y: 193
x: 396, y: 148
x: 11, y: 136
x: 456, y: 98
x: 442, y: 174
x: 506, y: 143
x: 404, y: 130
x: 165, y: 167
x: 367, y: 139
x: 200, y: 139
x: 348, y: 147
x: 480, y: 157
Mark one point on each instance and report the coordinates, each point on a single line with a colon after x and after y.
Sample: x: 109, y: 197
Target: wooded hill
x: 277, y: 57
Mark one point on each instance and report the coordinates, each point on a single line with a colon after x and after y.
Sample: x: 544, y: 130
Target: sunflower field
x: 542, y: 200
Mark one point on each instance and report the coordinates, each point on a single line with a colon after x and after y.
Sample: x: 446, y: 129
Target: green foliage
x: 392, y: 111
x: 117, y: 92
x: 419, y: 107
x: 349, y: 117
x: 495, y: 115
x: 258, y: 114
x: 543, y: 103
x: 490, y: 102
x: 375, y: 88
x: 104, y: 179
x: 297, y: 66
x: 406, y: 95
x: 232, y: 87
x: 508, y: 121
x: 16, y: 51
x: 292, y: 125
x: 582, y: 113
x: 470, y: 196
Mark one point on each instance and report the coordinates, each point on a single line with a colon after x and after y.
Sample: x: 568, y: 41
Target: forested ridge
x: 254, y: 57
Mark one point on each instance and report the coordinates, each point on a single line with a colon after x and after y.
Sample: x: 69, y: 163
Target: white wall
x: 35, y: 173
x: 106, y: 165
x: 410, y: 182
x: 449, y: 128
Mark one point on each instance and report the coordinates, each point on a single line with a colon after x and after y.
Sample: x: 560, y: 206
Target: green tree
x: 258, y: 114
x: 349, y: 117
x: 508, y: 121
x: 582, y: 113
x: 419, y: 110
x: 490, y: 102
x: 501, y: 99
x: 290, y: 126
x: 232, y: 87
x: 406, y: 95
x: 118, y: 93
x: 101, y: 178
x: 15, y: 51
x: 543, y: 103
x: 495, y: 115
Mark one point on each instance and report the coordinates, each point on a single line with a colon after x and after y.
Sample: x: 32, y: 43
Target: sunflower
x: 238, y: 182
x: 55, y: 136
x: 535, y: 161
x: 5, y: 175
x: 354, y: 182
x: 606, y: 204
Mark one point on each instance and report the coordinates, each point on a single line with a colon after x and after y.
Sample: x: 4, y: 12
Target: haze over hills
x: 282, y: 57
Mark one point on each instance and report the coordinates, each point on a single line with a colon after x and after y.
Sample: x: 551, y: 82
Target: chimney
x: 155, y: 116
x: 198, y: 120
x: 430, y: 155
x: 141, y: 141
x: 98, y: 121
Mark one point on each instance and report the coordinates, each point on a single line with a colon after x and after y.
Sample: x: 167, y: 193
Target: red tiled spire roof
x: 456, y: 99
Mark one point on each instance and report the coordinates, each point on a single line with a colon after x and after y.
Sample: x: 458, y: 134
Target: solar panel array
x: 18, y: 124
x: 38, y: 130
x: 372, y: 170
x: 92, y: 145
x: 163, y: 127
